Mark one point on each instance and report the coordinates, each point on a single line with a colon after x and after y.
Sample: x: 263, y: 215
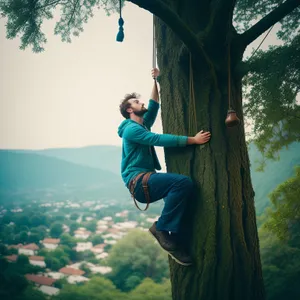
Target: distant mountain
x: 29, y: 172
x: 87, y: 165
x: 103, y: 156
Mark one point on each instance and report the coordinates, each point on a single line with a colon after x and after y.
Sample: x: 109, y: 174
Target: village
x: 109, y: 229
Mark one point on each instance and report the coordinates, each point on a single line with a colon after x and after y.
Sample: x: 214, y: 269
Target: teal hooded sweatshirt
x: 138, y: 153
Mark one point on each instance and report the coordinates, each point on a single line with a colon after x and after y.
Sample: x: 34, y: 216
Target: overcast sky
x: 68, y: 96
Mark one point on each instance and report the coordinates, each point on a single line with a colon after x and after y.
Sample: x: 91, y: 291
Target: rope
x: 154, y: 54
x: 229, y: 78
x: 261, y: 41
x: 192, y: 102
x: 120, y: 35
x: 154, y: 46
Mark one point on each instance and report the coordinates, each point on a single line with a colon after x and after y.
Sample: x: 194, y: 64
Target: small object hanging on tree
x: 232, y: 119
x: 120, y: 35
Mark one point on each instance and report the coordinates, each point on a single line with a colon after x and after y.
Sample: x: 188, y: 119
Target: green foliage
x: 96, y: 289
x: 271, y: 90
x: 25, y: 18
x: 22, y: 260
x: 284, y: 216
x: 74, y: 216
x: 13, y: 285
x: 247, y: 11
x: 281, y: 266
x: 56, y: 229
x: 53, y: 263
x: 97, y: 239
x: 149, y: 290
x: 73, y: 226
x: 92, y: 226
x: 135, y: 257
x: 280, y: 241
x: 67, y: 240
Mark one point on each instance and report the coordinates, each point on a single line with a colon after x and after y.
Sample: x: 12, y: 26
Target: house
x: 49, y: 290
x: 98, y: 248
x: 15, y: 246
x: 40, y: 280
x: 110, y: 242
x: 76, y: 278
x: 12, y: 258
x: 101, y: 269
x: 102, y: 255
x: 82, y: 233
x: 50, y: 243
x: 71, y: 271
x: 55, y: 275
x: 122, y: 214
x: 37, y: 261
x: 30, y: 249
x: 83, y: 246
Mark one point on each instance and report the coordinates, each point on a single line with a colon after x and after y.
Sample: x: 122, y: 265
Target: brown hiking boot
x: 181, y: 257
x: 164, y: 239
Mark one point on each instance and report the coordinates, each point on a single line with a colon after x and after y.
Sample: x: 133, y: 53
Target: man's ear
x: 129, y: 110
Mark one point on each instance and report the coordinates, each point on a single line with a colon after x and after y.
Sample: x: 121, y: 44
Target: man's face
x: 137, y: 107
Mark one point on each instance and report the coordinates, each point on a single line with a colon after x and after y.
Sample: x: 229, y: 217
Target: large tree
x: 208, y: 39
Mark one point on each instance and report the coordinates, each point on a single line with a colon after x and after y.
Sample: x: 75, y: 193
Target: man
x: 139, y: 161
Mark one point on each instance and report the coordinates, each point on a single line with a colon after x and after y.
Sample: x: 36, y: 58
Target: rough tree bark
x: 224, y: 239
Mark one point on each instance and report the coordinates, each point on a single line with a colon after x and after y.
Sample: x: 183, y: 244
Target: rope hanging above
x: 120, y: 35
x: 231, y: 119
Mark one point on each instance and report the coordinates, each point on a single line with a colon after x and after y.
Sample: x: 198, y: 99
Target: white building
x: 82, y: 234
x: 37, y: 261
x: 49, y: 290
x: 83, y: 246
x: 76, y: 278
x: 97, y: 249
x: 55, y: 275
x: 50, y: 244
x: 102, y: 255
x: 30, y: 249
x: 101, y: 269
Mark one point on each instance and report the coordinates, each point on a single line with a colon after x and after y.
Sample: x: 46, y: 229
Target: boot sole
x: 173, y: 257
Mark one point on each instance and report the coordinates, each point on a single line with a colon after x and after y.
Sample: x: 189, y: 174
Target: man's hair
x: 125, y: 104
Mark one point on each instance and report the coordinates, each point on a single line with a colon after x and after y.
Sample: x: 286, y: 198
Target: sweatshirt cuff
x: 182, y: 141
x: 153, y: 103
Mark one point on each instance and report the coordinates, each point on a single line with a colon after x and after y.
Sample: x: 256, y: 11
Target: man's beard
x: 141, y: 112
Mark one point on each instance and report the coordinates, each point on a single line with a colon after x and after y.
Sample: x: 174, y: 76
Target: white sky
x: 68, y: 96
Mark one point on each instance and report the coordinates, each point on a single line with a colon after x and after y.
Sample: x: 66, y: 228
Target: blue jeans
x: 175, y: 190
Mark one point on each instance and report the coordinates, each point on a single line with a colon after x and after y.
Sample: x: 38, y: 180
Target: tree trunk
x: 224, y: 240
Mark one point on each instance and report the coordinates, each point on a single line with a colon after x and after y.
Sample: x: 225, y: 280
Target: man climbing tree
x: 200, y: 50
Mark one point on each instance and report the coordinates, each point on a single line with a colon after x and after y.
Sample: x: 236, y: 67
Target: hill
x: 88, y: 161
x: 30, y: 173
x: 104, y: 157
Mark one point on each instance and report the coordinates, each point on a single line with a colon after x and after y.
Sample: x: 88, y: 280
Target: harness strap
x: 133, y: 183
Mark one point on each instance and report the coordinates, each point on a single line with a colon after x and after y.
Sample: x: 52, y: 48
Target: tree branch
x: 221, y: 17
x: 173, y: 21
x: 269, y: 20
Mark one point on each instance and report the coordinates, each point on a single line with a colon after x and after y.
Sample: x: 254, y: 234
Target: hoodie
x: 138, y: 153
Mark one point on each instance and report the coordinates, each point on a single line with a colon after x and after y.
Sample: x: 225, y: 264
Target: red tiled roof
x: 15, y: 246
x: 51, y: 241
x: 30, y: 247
x: 38, y: 258
x: 13, y: 257
x: 99, y: 246
x: 42, y: 280
x: 71, y: 271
